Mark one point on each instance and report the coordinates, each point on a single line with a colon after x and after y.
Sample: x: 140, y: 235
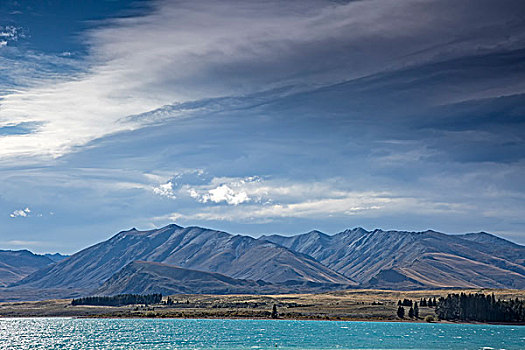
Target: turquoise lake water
x: 64, y: 333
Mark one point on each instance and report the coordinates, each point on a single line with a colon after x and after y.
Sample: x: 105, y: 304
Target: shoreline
x: 317, y: 319
x: 136, y: 317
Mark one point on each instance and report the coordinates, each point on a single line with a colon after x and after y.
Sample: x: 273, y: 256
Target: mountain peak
x: 487, y: 238
x: 173, y: 226
x: 317, y: 233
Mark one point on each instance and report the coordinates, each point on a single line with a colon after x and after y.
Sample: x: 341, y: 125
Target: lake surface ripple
x: 131, y: 334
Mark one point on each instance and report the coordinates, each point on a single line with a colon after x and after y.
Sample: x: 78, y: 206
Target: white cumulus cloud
x: 20, y: 212
x: 233, y: 191
x: 224, y: 193
x: 165, y: 190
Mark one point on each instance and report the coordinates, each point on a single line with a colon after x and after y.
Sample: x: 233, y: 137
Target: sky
x: 259, y: 117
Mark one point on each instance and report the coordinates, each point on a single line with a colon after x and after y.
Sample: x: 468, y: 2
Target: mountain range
x: 176, y: 259
x: 17, y: 264
x: 399, y: 259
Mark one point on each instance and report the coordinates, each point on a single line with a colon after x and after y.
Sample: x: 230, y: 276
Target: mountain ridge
x: 362, y: 255
x: 192, y: 247
x: 354, y: 258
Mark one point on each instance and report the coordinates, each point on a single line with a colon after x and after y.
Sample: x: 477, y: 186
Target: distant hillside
x: 408, y: 260
x: 17, y: 264
x: 141, y: 277
x: 196, y: 248
x: 56, y: 257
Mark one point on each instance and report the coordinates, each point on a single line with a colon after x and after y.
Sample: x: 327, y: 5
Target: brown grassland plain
x: 365, y: 305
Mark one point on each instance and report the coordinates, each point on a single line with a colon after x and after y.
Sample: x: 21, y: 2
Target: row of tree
x: 429, y: 303
x: 480, y: 307
x: 119, y: 300
x: 423, y: 302
x: 413, y: 312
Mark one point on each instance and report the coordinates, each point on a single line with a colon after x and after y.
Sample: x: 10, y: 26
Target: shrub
x: 430, y: 319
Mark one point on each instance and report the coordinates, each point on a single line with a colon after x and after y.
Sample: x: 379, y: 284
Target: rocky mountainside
x: 142, y: 277
x: 408, y: 260
x: 17, y: 264
x: 195, y: 248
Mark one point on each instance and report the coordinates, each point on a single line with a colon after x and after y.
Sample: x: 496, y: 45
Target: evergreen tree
x: 401, y: 312
x: 416, y: 310
x: 406, y: 302
x: 411, y: 312
x: 429, y: 302
x: 275, y: 314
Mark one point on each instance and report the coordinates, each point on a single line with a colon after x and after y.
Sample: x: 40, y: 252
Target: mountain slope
x: 17, y: 264
x: 398, y: 259
x: 192, y: 248
x: 142, y: 277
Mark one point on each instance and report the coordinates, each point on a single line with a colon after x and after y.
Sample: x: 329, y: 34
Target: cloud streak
x: 271, y: 200
x: 190, y: 50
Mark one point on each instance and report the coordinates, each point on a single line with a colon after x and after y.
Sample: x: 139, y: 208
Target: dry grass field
x: 371, y: 305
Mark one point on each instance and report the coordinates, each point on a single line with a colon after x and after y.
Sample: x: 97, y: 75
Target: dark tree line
x: 422, y: 302
x: 413, y: 311
x: 119, y: 300
x: 480, y: 307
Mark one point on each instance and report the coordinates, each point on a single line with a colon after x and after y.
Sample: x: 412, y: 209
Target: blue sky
x: 259, y: 117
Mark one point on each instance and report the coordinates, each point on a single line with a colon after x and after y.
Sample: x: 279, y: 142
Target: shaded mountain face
x: 196, y: 248
x: 142, y: 277
x: 408, y: 260
x: 17, y: 264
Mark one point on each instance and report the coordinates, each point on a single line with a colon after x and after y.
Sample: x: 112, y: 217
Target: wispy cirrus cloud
x: 365, y: 205
x: 190, y: 50
x: 254, y: 199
